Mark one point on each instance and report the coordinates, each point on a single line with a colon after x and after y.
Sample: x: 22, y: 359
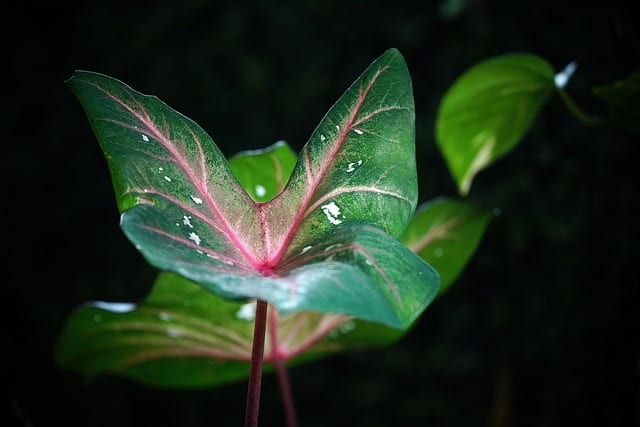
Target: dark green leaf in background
x: 623, y: 100
x: 264, y: 173
x: 184, y: 336
x: 446, y: 233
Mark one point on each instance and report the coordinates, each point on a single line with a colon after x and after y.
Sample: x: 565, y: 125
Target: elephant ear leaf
x: 325, y: 243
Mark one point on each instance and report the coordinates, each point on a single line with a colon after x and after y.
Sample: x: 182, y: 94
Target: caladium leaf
x: 488, y: 110
x: 184, y: 336
x: 446, y: 233
x: 326, y: 242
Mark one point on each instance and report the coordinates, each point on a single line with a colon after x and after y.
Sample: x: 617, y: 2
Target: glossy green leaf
x: 184, y: 336
x: 488, y: 110
x: 326, y: 242
x: 446, y: 233
x: 264, y: 173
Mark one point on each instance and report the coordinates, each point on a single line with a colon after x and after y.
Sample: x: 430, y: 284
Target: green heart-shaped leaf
x: 488, y: 110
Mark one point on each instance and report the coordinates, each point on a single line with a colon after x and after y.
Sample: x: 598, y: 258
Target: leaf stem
x: 281, y: 370
x: 579, y: 114
x: 255, y: 373
x: 285, y: 391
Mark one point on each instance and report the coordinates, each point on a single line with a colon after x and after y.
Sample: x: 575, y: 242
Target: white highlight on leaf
x: 562, y: 78
x: 358, y: 131
x: 196, y: 200
x: 226, y: 261
x: 260, y: 190
x: 352, y: 166
x: 186, y: 220
x: 305, y: 249
x: 174, y: 333
x: 195, y: 238
x: 486, y: 141
x: 160, y: 168
x: 337, y: 127
x: 322, y: 138
x: 166, y: 178
x: 347, y: 326
x: 332, y: 212
x: 115, y: 307
x: 145, y: 138
x: 247, y: 312
x: 164, y: 316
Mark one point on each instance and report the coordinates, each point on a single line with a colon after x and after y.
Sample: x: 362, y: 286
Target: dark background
x: 543, y: 327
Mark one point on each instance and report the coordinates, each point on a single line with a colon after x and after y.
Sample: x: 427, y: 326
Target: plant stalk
x: 281, y: 371
x: 287, y: 395
x: 255, y: 373
x: 580, y: 115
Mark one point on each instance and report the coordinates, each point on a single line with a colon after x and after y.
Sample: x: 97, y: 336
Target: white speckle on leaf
x: 195, y: 238
x: 352, y: 166
x: 196, y: 200
x: 146, y: 190
x: 145, y: 138
x: 247, y: 312
x: 358, y: 131
x: 332, y: 212
x: 166, y: 178
x: 174, y: 333
x: 164, y: 316
x: 160, y: 168
x: 337, y: 127
x: 322, y: 138
x: 305, y: 249
x: 347, y: 326
x: 260, y: 190
x: 186, y: 220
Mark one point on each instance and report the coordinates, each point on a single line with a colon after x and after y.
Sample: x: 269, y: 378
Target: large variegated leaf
x: 325, y: 243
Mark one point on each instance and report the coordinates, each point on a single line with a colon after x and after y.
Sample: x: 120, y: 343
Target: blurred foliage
x: 541, y: 328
